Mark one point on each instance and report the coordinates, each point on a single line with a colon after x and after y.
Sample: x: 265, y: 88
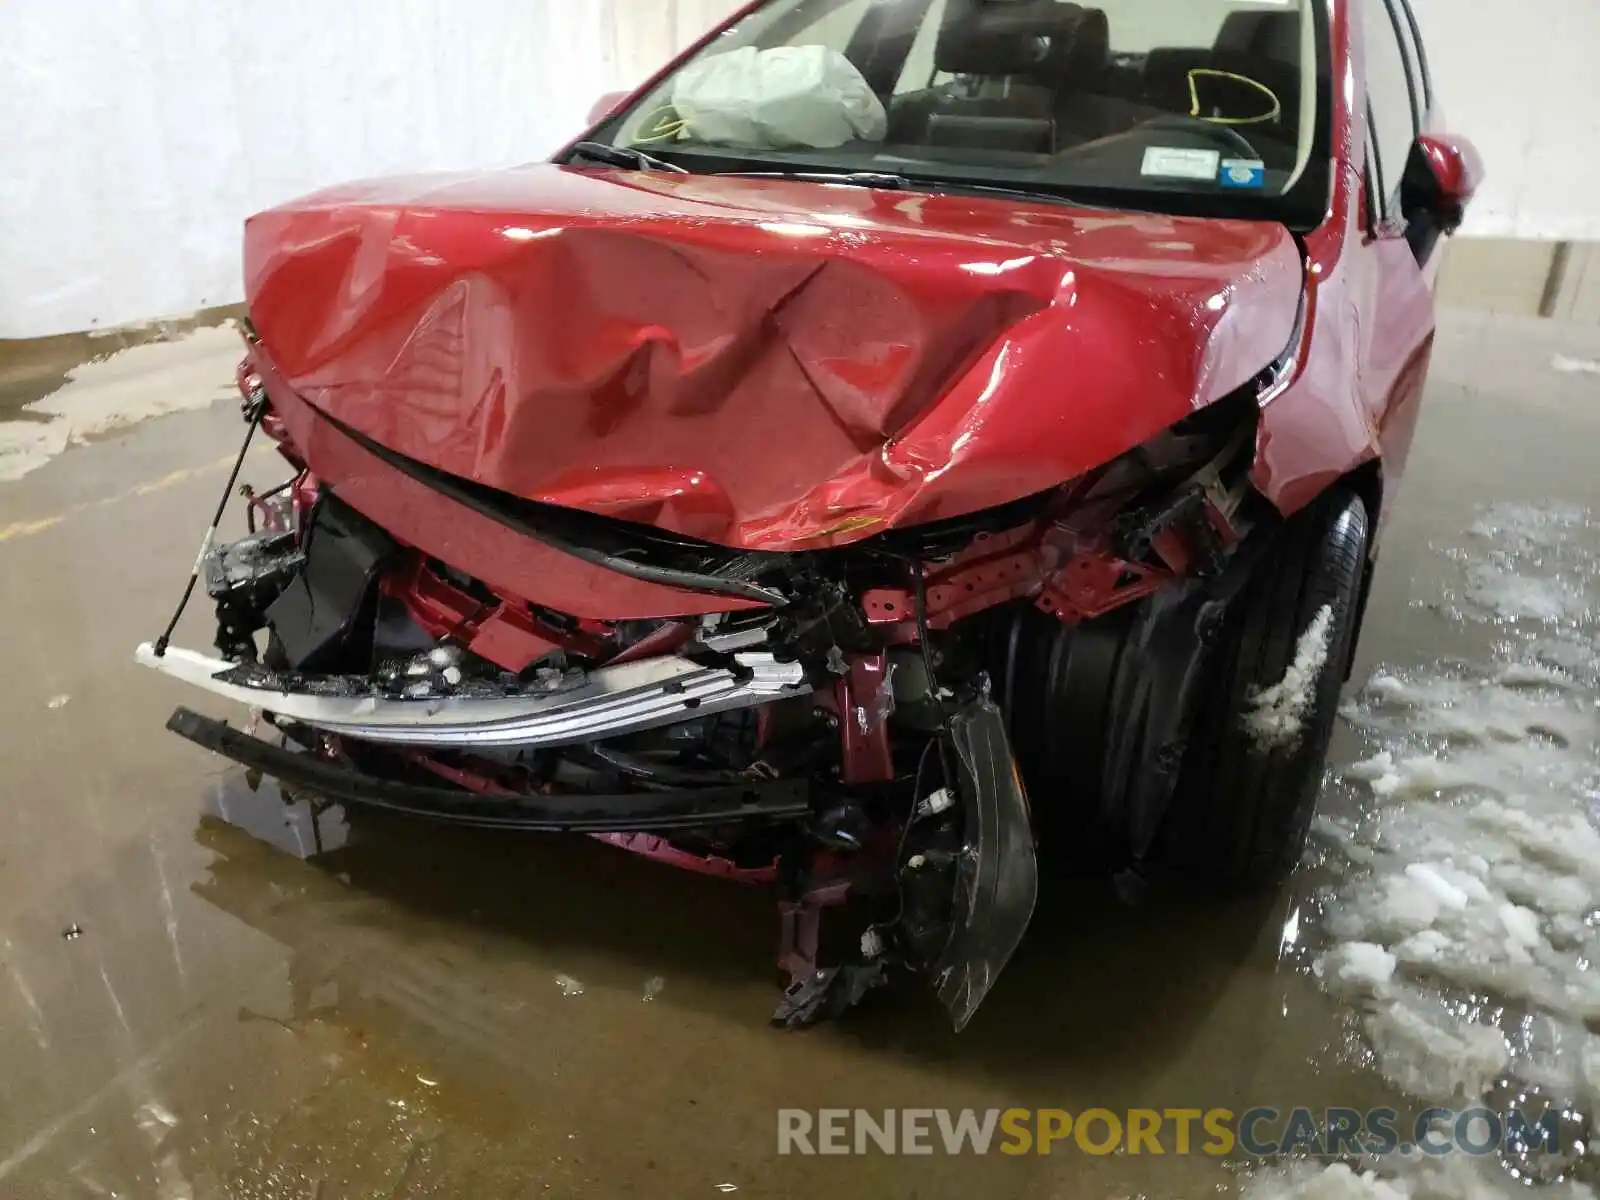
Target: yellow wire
x: 1194, y: 97
x: 664, y: 130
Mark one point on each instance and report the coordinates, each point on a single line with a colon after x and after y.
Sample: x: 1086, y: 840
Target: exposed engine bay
x: 887, y: 721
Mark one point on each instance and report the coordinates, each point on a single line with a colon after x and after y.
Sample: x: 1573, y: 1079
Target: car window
x: 919, y: 71
x: 1389, y: 91
x: 834, y: 29
x: 1216, y: 105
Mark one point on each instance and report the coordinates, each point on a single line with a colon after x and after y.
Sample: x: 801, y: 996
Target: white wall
x: 646, y: 33
x: 138, y: 135
x: 1521, y: 78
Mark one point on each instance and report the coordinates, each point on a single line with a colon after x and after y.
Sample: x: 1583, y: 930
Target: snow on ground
x: 1463, y: 920
x: 1278, y: 713
x: 1455, y: 1177
x: 132, y: 385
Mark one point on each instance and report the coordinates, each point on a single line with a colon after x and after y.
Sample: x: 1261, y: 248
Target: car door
x: 1398, y: 324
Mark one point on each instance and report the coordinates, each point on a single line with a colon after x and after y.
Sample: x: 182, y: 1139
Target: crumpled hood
x: 761, y: 363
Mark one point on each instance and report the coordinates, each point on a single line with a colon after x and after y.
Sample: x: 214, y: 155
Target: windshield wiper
x: 867, y: 179
x: 907, y: 183
x: 625, y: 156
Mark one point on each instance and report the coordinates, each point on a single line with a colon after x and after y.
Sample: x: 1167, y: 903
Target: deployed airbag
x: 804, y: 96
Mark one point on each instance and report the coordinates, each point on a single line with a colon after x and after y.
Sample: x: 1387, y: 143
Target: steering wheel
x: 1225, y: 133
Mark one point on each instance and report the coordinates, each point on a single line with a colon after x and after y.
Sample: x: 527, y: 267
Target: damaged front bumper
x: 568, y: 708
x: 766, y: 745
x: 634, y: 812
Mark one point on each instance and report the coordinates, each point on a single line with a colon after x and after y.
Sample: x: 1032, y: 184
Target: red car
x: 904, y: 439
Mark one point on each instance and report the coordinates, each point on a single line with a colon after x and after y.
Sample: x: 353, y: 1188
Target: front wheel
x: 1254, y: 767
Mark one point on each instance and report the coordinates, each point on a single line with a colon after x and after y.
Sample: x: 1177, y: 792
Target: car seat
x: 1261, y: 46
x: 1089, y: 99
x: 1011, y: 61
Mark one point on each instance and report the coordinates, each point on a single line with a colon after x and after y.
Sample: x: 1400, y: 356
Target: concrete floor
x: 186, y: 1011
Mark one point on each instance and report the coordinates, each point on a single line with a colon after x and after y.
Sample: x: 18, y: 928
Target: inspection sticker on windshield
x: 1175, y: 162
x: 1243, y: 173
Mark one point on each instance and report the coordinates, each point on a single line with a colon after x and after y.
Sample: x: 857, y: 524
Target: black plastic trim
x: 765, y: 801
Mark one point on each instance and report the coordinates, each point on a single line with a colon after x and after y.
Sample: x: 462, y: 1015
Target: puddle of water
x: 1461, y: 917
x: 108, y: 394
x: 28, y: 416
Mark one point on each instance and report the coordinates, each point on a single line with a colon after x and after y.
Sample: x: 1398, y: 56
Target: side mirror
x: 1441, y: 177
x: 606, y: 105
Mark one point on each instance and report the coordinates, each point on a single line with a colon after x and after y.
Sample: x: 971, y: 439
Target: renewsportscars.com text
x: 1218, y: 1132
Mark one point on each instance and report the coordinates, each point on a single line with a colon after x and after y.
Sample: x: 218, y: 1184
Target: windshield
x: 1209, y: 106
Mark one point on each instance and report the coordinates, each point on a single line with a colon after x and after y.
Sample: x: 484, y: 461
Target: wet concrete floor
x: 187, y: 1010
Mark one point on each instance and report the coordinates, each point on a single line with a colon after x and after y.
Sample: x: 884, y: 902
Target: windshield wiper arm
x: 906, y: 183
x: 868, y: 179
x: 1015, y: 193
x: 625, y: 156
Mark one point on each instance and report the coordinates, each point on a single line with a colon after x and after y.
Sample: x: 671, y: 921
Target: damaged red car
x: 905, y: 445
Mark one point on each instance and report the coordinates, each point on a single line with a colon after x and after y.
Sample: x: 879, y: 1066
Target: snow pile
x: 1526, y: 599
x: 1454, y: 1177
x: 1513, y: 580
x: 1464, y: 924
x: 1575, y: 366
x: 1356, y: 968
x: 1278, y: 713
x: 1475, y: 879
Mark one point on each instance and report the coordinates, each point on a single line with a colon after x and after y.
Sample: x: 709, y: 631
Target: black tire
x: 1244, y: 804
x: 1061, y: 706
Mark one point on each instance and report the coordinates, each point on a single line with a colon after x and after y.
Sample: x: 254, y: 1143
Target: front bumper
x: 583, y: 707
x: 761, y: 801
